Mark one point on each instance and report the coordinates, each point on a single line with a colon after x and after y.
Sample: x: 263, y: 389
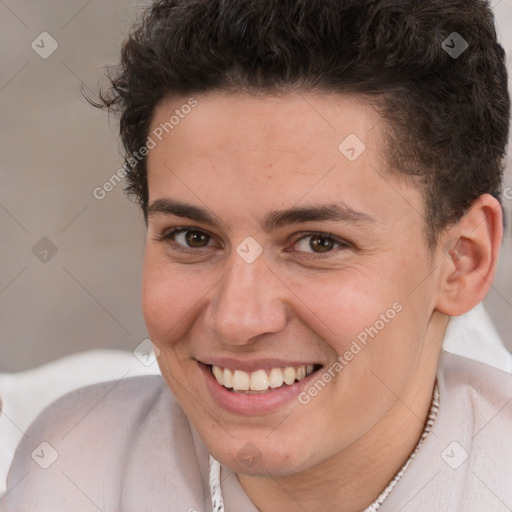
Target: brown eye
x: 321, y: 243
x: 186, y: 238
x: 196, y: 239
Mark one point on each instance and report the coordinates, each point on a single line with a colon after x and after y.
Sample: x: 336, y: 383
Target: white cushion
x: 26, y: 394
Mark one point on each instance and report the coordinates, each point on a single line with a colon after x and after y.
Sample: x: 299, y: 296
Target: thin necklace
x: 216, y: 492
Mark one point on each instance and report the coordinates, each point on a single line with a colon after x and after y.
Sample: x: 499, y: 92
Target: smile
x: 260, y: 381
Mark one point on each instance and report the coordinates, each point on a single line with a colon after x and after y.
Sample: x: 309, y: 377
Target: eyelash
x: 343, y: 244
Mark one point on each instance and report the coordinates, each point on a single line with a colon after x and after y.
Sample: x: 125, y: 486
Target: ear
x: 469, y: 257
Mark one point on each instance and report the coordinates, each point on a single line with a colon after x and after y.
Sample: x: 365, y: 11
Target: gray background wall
x: 70, y: 264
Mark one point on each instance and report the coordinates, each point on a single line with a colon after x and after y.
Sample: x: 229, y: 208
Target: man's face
x: 345, y: 295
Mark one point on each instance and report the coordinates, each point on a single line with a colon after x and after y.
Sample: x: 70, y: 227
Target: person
x: 321, y: 184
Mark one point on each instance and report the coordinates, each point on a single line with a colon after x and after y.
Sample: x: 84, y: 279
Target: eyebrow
x: 276, y: 219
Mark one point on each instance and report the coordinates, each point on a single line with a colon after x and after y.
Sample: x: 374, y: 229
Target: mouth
x: 256, y: 388
x: 262, y: 380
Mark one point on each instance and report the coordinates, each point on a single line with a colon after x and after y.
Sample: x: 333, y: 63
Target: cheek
x: 340, y: 306
x: 169, y: 298
x: 373, y: 311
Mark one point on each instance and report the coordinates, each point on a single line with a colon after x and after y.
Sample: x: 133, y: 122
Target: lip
x: 260, y: 364
x: 252, y: 405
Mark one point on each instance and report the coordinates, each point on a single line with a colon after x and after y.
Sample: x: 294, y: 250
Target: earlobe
x: 469, y: 256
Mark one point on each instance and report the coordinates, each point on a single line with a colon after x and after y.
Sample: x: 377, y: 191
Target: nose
x: 247, y: 303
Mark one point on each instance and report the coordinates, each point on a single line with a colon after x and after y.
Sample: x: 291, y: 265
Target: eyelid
x: 343, y: 244
x: 168, y: 234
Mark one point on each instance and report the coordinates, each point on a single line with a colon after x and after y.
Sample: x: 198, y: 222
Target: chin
x: 267, y: 462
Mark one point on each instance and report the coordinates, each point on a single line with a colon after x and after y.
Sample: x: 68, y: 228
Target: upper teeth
x: 259, y: 380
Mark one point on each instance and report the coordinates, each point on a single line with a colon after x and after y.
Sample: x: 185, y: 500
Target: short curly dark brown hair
x: 447, y: 115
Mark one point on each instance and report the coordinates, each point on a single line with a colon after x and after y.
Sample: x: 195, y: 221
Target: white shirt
x: 128, y: 446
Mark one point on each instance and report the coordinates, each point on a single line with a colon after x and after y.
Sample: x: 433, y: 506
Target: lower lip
x: 251, y: 405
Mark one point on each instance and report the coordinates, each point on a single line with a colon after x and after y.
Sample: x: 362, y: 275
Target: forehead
x: 273, y: 150
x: 301, y: 123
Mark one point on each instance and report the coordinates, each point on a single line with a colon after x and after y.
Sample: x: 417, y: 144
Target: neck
x: 351, y: 480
